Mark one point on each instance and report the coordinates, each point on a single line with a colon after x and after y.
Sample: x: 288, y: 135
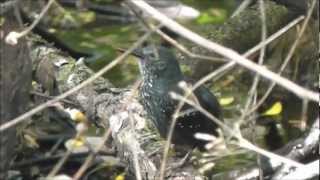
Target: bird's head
x: 158, y: 65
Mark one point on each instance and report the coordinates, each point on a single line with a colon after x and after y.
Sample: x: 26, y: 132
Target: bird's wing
x: 204, y: 97
x: 208, y: 101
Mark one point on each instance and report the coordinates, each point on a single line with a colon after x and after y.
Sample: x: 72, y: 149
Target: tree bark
x: 15, y: 82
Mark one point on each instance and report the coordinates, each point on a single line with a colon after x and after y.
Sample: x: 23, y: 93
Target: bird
x: 161, y: 75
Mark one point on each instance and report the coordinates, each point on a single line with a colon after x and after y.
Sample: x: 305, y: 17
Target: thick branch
x: 118, y: 109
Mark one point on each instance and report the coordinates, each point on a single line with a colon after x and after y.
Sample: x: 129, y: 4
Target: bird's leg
x: 182, y: 162
x: 185, y: 159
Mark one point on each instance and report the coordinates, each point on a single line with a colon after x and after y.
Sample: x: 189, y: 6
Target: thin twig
x: 184, y: 50
x: 16, y: 35
x: 60, y: 163
x: 255, y: 83
x: 37, y: 20
x: 244, y: 4
x: 252, y: 91
x: 92, y: 155
x: 133, y: 151
x: 304, y: 115
x: 51, y: 97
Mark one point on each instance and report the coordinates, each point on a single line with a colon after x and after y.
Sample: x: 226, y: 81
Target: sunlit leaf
x: 213, y: 15
x: 226, y: 101
x: 76, y: 115
x: 205, y: 18
x: 120, y: 177
x: 275, y: 109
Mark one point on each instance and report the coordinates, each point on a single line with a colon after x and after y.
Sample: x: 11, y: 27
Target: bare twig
x: 304, y: 115
x: 252, y: 91
x: 51, y: 97
x: 63, y: 159
x: 60, y: 163
x: 256, y: 80
x: 13, y: 37
x: 184, y: 50
x: 92, y: 155
x: 244, y: 4
x: 133, y: 150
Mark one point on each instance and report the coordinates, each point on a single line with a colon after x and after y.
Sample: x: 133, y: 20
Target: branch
x: 13, y: 37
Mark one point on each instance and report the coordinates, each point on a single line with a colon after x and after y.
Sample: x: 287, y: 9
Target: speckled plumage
x: 161, y: 74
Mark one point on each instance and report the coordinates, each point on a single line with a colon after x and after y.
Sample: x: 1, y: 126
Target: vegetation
x: 70, y: 104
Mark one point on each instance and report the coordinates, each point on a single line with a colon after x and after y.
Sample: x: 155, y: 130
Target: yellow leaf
x: 120, y: 177
x: 226, y: 101
x: 76, y: 115
x: 80, y: 117
x: 275, y: 109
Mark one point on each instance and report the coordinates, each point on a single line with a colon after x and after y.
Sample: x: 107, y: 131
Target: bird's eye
x: 152, y: 55
x: 157, y: 68
x: 161, y: 65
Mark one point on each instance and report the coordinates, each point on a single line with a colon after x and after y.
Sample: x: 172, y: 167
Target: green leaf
x: 212, y: 16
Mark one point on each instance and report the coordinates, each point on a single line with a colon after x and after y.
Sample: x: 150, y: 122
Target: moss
x: 240, y: 33
x: 246, y: 28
